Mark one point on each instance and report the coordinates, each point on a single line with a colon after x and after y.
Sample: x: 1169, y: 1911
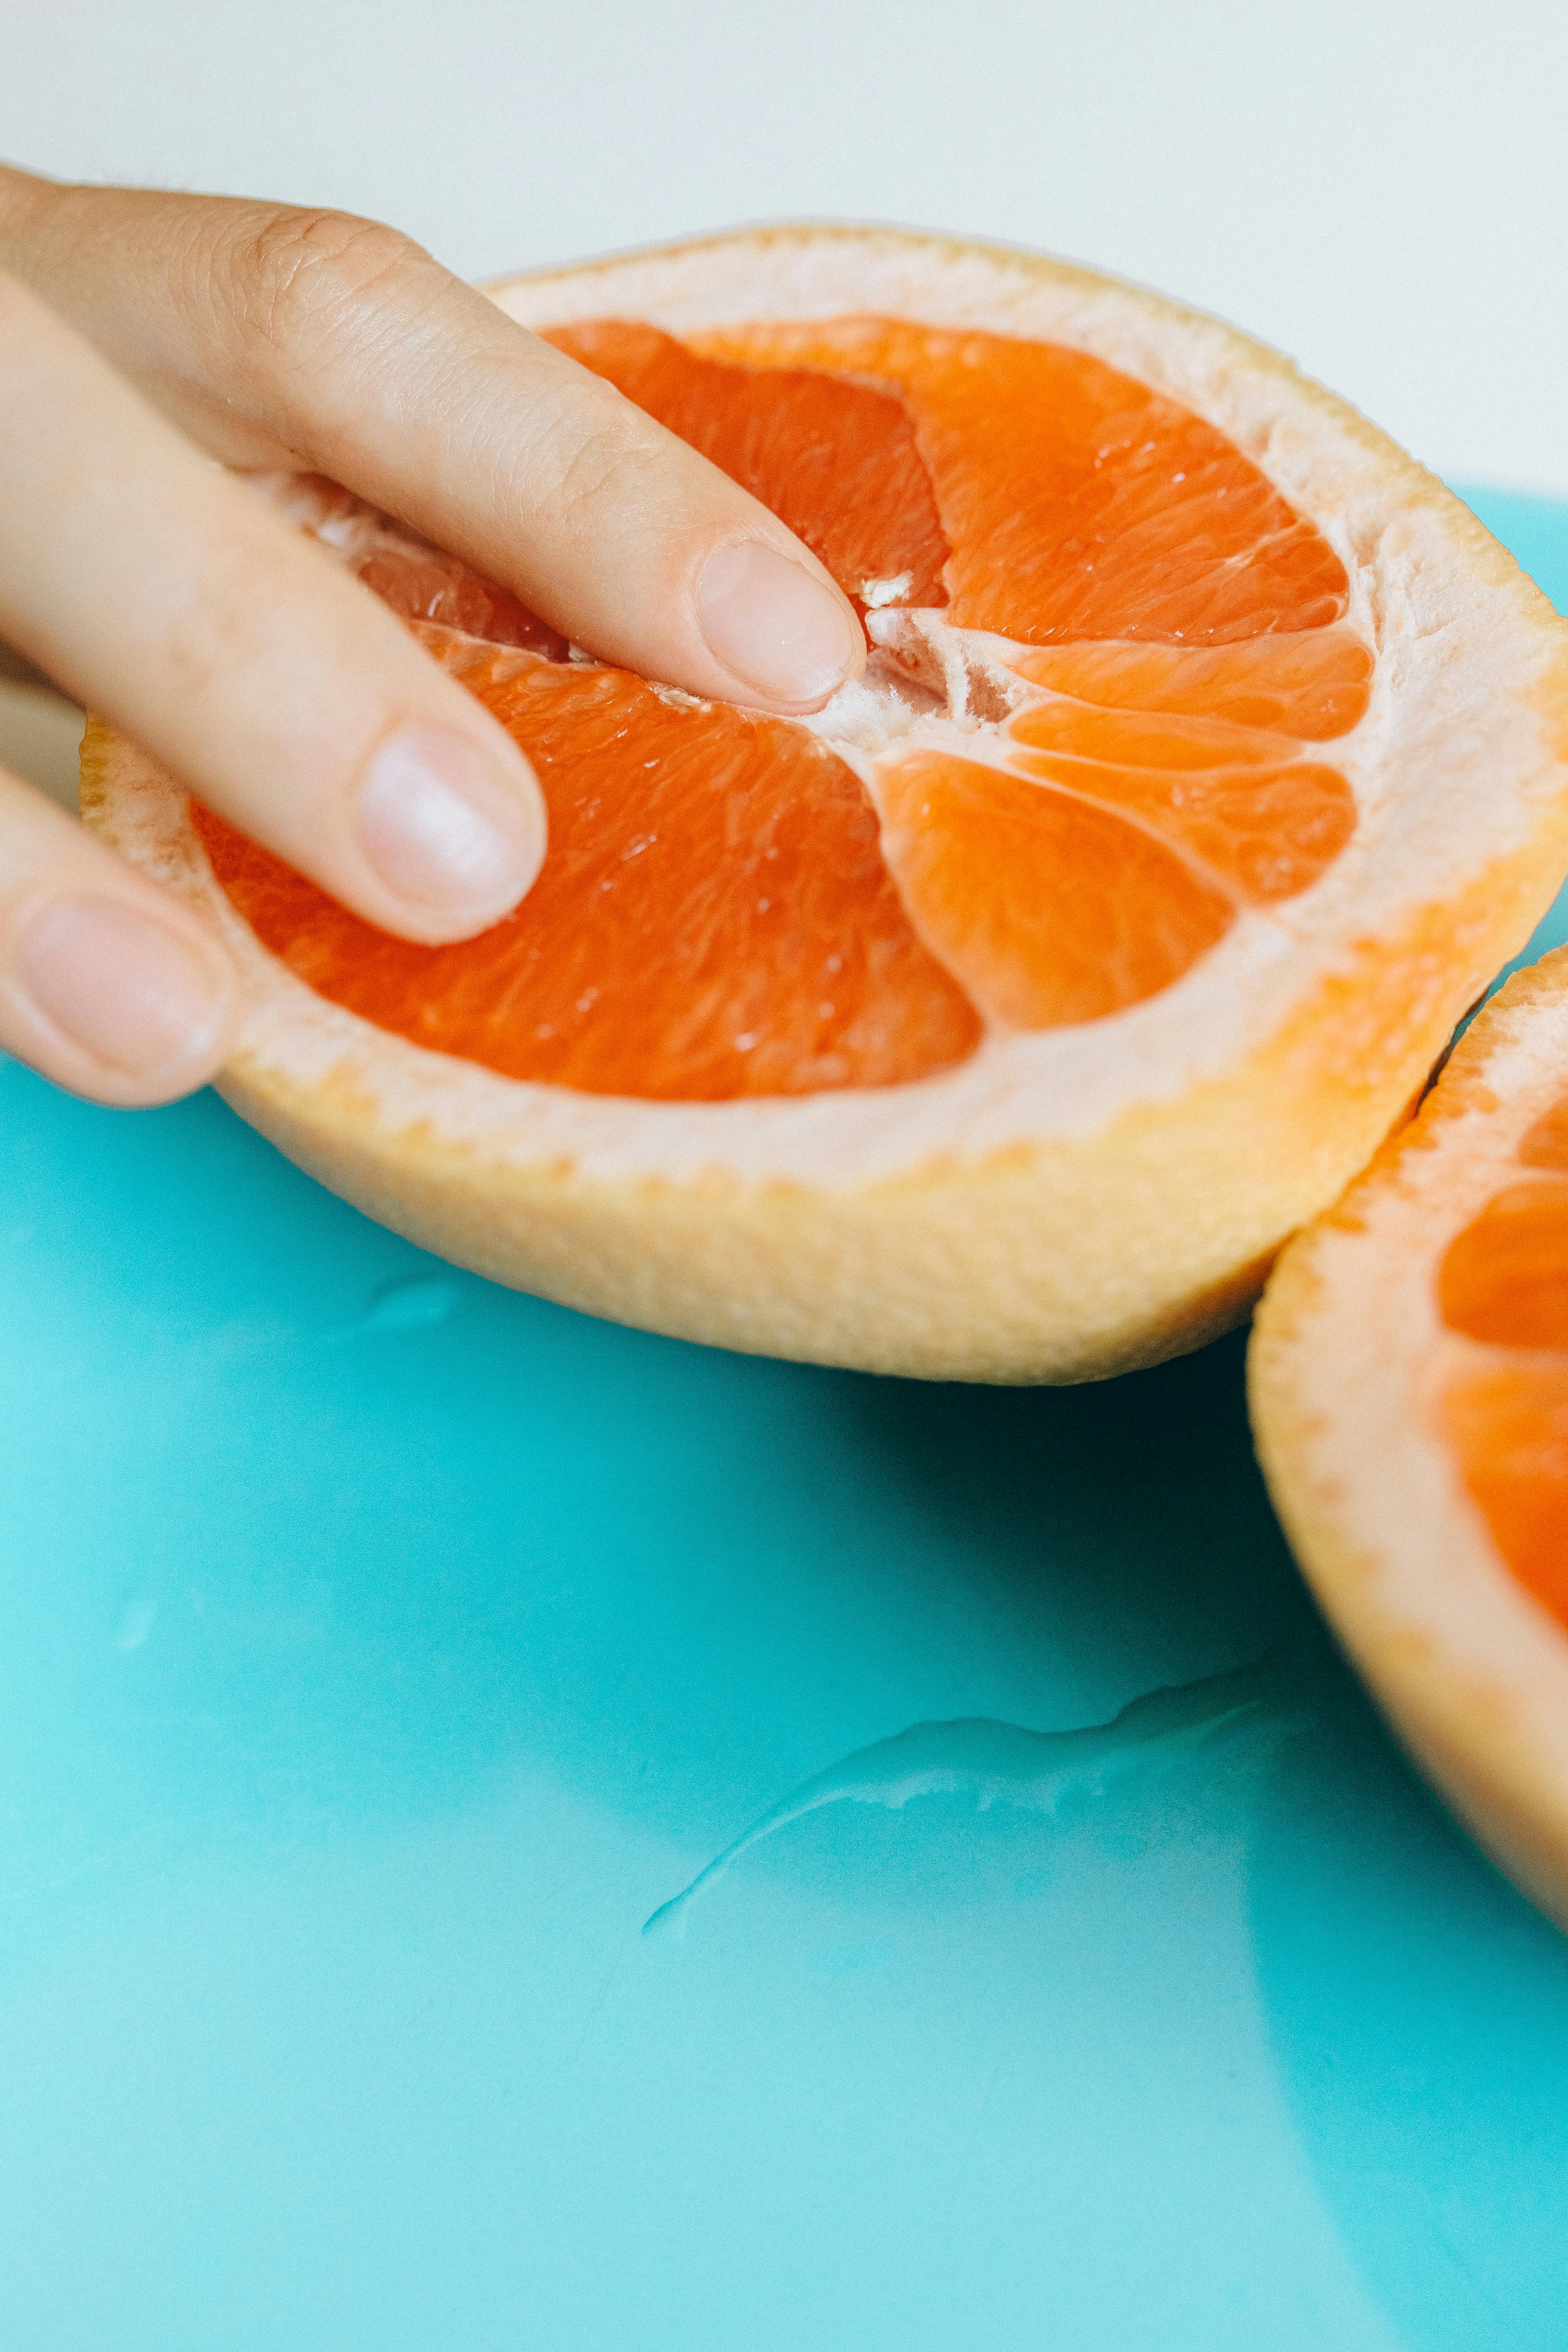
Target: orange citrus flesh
x: 1050, y: 910
x: 835, y: 459
x: 1312, y: 685
x: 717, y: 923
x: 1077, y: 502
x: 1503, y: 1282
x: 1546, y: 1145
x: 722, y: 912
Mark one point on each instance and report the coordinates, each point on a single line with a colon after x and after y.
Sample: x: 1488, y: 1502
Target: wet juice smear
x: 730, y: 909
x: 1503, y: 1281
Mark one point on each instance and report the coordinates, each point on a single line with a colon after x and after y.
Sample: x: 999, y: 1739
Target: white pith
x: 1450, y: 706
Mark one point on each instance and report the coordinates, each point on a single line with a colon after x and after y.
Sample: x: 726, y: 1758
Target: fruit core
x: 1106, y: 651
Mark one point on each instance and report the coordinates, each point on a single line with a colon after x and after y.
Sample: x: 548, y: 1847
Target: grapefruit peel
x: 1354, y: 1373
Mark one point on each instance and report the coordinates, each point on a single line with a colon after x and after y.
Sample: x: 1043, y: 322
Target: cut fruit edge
x: 1349, y: 1364
x: 1166, y: 1147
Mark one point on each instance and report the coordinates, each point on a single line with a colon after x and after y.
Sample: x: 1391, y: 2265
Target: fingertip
x: 454, y: 832
x: 126, y: 1005
x: 787, y: 636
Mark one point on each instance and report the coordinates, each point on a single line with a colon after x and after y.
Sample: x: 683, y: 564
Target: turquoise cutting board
x: 380, y: 1651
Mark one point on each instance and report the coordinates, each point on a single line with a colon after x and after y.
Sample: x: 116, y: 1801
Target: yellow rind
x: 1056, y: 1259
x: 1470, y: 1672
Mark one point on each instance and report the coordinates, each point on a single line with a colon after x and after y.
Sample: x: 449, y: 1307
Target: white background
x: 1380, y: 189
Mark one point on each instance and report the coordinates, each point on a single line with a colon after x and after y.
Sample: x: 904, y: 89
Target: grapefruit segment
x: 1265, y: 833
x: 1312, y: 685
x: 1138, y: 739
x: 1504, y: 1279
x: 1050, y: 910
x: 1503, y: 1282
x: 1509, y: 1431
x: 713, y: 920
x: 1546, y: 1145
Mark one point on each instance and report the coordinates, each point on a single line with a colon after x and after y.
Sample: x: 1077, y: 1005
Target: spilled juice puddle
x: 1003, y: 1763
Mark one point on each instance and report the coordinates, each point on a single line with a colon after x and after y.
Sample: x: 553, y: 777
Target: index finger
x: 286, y: 337
x: 166, y: 595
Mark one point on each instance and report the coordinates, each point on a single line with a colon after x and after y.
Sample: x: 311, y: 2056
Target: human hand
x: 143, y: 336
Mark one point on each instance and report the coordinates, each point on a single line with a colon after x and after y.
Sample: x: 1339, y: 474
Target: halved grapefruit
x: 1000, y: 1021
x: 1409, y: 1379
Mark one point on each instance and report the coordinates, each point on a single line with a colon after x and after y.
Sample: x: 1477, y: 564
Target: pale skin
x: 141, y: 337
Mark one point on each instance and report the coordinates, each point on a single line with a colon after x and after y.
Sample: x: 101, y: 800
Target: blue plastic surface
x: 379, y: 1650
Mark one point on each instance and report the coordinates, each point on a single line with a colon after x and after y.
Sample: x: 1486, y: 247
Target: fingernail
x: 772, y: 625
x: 442, y: 828
x: 121, y: 986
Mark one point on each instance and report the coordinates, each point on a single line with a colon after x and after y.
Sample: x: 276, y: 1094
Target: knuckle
x: 297, y: 274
